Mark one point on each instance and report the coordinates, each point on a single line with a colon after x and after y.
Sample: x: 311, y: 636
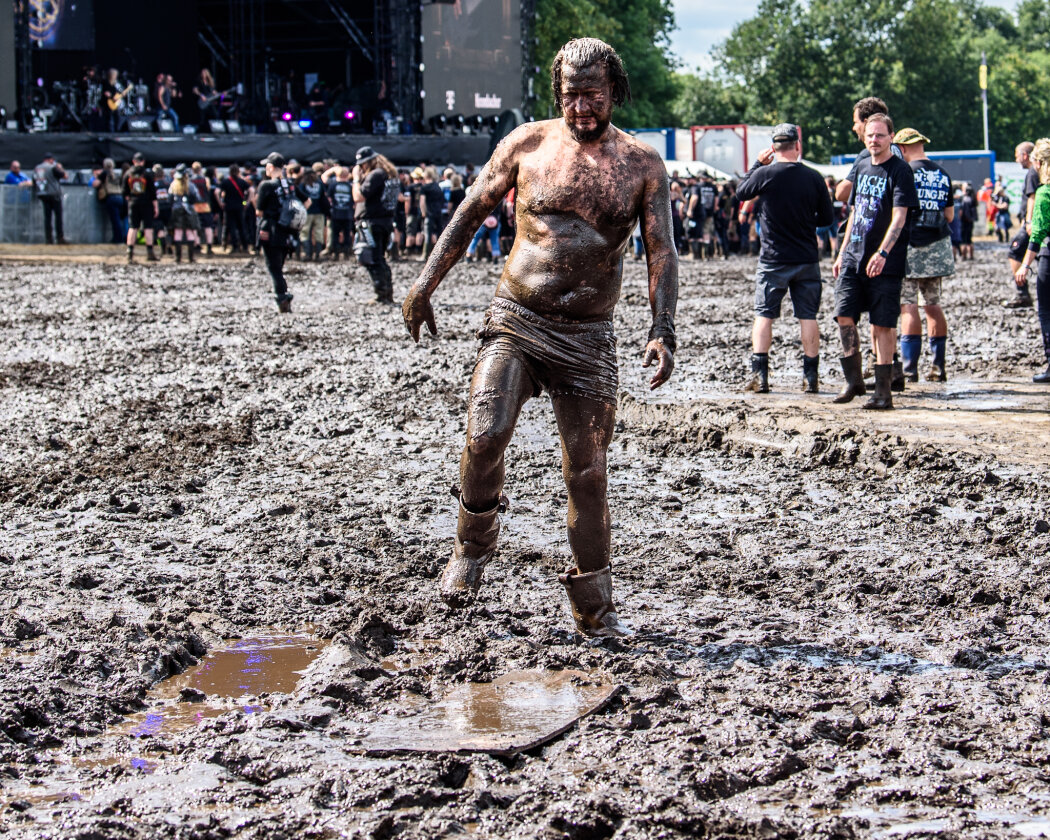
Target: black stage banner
x: 83, y: 151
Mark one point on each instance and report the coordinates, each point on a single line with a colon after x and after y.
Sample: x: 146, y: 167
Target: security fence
x: 22, y: 215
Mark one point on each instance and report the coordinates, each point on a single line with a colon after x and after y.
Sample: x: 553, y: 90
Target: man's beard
x: 587, y: 135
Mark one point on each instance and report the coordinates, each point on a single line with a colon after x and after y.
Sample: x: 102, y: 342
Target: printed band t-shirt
x: 934, y: 189
x: 878, y: 188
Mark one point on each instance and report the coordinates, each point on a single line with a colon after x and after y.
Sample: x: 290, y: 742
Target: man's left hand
x: 655, y: 351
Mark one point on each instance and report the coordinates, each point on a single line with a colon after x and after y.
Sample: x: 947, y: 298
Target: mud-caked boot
x: 151, y: 256
x: 476, y: 537
x: 811, y: 374
x: 131, y: 254
x: 883, y: 397
x: 590, y: 596
x: 759, y: 382
x: 854, y: 387
x: 897, y: 376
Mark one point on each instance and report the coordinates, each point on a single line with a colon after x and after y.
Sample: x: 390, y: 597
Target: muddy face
x: 586, y: 98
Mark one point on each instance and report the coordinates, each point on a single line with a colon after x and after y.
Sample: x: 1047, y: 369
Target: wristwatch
x: 883, y: 254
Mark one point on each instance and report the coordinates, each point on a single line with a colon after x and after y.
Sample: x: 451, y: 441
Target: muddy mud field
x: 222, y: 532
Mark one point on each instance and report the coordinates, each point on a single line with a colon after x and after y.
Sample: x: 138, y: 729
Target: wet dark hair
x: 583, y: 52
x: 869, y: 106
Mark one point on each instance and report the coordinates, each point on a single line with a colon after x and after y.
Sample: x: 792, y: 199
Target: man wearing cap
x: 930, y: 258
x: 376, y: 193
x: 795, y: 202
x: 47, y: 175
x: 273, y: 238
x: 871, y: 262
x: 141, y: 194
x: 581, y: 184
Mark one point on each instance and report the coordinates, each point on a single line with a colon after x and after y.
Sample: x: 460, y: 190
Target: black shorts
x: 163, y: 218
x: 774, y: 280
x: 141, y: 215
x: 412, y: 225
x: 432, y: 226
x: 1018, y: 245
x: 880, y: 297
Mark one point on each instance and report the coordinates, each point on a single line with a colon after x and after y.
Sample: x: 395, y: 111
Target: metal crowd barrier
x: 22, y: 216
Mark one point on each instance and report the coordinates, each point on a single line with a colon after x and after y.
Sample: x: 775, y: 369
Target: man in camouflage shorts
x: 930, y: 258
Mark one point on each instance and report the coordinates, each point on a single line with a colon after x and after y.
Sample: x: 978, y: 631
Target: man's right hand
x: 416, y: 310
x: 836, y: 268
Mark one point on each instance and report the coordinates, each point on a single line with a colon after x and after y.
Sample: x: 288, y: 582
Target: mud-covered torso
x: 575, y: 210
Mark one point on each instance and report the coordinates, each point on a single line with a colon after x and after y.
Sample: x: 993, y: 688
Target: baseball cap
x: 138, y: 156
x: 276, y: 158
x: 785, y: 133
x: 364, y: 154
x: 907, y: 136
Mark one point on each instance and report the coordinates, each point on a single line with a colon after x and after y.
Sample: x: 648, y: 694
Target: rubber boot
x: 937, y: 348
x: 1044, y: 377
x: 178, y: 252
x: 810, y: 374
x: 211, y: 253
x: 150, y: 256
x: 131, y: 253
x: 854, y: 387
x: 883, y: 398
x: 911, y: 349
x: 476, y: 536
x: 590, y: 596
x: 1022, y: 300
x: 191, y: 251
x: 284, y: 305
x: 896, y: 374
x: 759, y: 382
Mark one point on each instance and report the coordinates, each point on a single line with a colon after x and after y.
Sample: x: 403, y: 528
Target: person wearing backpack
x: 270, y: 201
x: 376, y: 193
x: 141, y: 194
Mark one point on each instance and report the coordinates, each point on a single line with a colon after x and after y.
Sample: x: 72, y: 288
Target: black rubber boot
x: 883, y: 397
x: 476, y: 537
x: 897, y: 375
x: 759, y: 382
x: 191, y: 251
x: 150, y: 256
x: 131, y: 253
x: 810, y: 374
x: 590, y: 596
x: 1042, y: 378
x: 854, y: 387
x: 178, y: 252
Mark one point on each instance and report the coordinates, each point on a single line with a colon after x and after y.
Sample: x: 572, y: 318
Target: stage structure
x: 340, y: 66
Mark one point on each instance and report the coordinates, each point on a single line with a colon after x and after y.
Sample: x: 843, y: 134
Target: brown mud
x: 841, y: 616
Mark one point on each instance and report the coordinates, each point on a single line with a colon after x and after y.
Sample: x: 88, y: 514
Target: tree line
x: 807, y: 62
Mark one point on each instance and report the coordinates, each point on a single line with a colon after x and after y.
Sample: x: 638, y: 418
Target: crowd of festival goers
x: 373, y: 211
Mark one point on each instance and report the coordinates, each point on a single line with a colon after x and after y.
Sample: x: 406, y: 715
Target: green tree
x: 637, y: 29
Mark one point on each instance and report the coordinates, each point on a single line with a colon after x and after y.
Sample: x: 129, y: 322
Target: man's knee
x: 586, y: 476
x: 488, y: 445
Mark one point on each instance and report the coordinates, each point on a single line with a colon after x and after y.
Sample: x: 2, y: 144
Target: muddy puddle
x: 515, y: 712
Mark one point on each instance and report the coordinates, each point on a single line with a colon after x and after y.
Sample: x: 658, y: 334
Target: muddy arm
x: 662, y: 260
x: 494, y: 181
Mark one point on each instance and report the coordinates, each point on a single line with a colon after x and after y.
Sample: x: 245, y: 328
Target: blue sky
x: 704, y: 23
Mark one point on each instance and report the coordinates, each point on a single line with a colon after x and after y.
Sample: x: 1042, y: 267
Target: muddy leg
x: 586, y: 428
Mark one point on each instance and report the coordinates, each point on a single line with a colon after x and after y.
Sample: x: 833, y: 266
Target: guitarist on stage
x: 112, y: 98
x: 207, y: 97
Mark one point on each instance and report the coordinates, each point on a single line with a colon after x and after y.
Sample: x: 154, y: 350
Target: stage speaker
x: 189, y: 129
x: 166, y: 125
x: 280, y: 126
x: 217, y: 126
x: 233, y: 126
x: 139, y: 124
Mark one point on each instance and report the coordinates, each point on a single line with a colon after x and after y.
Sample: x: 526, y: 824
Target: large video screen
x: 62, y: 24
x: 471, y: 57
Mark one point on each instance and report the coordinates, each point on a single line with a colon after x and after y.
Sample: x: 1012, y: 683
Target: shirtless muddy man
x: 581, y: 185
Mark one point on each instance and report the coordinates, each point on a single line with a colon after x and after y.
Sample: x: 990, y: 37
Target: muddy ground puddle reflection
x: 518, y: 711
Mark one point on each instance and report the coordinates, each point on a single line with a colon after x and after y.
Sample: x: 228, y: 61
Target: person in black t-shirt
x: 141, y: 194
x: 930, y: 258
x: 234, y: 191
x: 1019, y: 244
x: 273, y: 237
x: 341, y: 199
x: 871, y: 262
x: 376, y: 192
x: 431, y: 205
x: 694, y: 220
x: 795, y: 202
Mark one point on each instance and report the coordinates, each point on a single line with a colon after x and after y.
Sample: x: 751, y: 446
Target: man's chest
x: 601, y: 189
